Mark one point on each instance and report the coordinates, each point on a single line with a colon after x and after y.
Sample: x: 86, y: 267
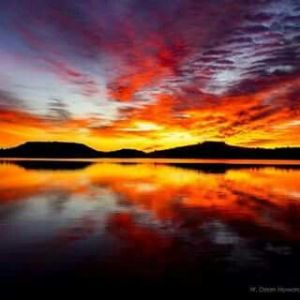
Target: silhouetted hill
x: 222, y: 150
x: 125, y: 153
x: 50, y: 149
x: 203, y: 150
x: 63, y: 150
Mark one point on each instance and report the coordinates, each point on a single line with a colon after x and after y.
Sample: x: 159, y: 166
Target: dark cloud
x: 58, y: 111
x: 8, y: 100
x: 260, y: 17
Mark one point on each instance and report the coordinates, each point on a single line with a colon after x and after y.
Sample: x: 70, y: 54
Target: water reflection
x: 151, y: 224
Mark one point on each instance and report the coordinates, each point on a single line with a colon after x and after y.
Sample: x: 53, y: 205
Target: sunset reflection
x: 146, y: 220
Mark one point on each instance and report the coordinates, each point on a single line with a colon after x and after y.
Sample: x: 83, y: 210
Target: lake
x: 205, y: 226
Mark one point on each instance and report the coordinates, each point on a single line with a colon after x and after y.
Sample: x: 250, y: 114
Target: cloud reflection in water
x: 150, y: 223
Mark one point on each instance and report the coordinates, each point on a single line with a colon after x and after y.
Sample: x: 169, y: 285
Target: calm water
x: 196, y: 226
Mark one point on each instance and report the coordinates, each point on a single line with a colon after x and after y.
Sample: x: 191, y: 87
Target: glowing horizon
x: 149, y: 75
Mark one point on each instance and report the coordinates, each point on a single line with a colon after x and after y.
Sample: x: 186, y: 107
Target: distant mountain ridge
x: 223, y: 150
x: 202, y: 150
x: 63, y: 150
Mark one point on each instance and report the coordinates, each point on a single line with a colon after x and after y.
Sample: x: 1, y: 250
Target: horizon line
x: 147, y: 152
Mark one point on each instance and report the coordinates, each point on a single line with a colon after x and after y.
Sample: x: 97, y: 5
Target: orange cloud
x: 170, y: 121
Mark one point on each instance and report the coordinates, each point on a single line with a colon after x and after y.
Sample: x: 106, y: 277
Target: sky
x: 150, y: 74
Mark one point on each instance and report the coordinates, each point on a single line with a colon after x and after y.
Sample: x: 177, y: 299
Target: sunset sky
x: 150, y: 74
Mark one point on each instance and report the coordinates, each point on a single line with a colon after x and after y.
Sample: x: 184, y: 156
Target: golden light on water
x: 155, y: 187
